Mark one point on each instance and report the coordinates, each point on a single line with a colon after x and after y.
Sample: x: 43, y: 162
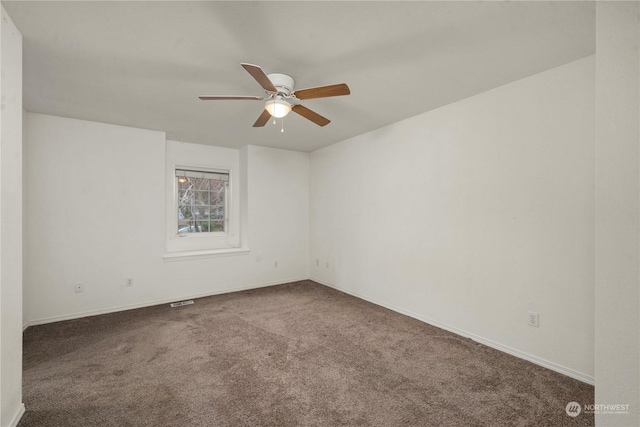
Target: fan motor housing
x: 283, y: 82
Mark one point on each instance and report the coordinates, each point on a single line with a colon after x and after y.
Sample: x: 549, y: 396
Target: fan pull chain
x: 282, y: 129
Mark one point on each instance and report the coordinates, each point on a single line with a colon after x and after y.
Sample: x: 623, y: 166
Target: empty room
x: 320, y: 213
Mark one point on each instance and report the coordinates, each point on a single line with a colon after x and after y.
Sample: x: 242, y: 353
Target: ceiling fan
x: 281, y: 98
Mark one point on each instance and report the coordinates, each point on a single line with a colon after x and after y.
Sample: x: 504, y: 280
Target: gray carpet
x: 299, y: 354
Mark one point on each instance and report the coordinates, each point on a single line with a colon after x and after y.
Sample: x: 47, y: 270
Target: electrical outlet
x: 129, y: 281
x: 534, y: 320
x: 79, y: 288
x: 327, y: 264
x: 275, y: 264
x: 317, y: 263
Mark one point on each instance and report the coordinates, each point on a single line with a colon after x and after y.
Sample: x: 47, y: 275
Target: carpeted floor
x: 299, y: 354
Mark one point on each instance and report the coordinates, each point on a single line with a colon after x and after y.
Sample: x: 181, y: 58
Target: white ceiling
x: 143, y: 64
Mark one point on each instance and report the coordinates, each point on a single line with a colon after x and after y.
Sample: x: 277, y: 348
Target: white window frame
x: 202, y: 245
x: 189, y: 244
x: 182, y: 155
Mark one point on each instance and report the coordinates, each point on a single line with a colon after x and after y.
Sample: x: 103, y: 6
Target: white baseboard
x: 60, y: 318
x: 16, y: 418
x: 498, y: 346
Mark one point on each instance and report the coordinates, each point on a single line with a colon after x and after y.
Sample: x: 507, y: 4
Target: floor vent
x: 181, y: 303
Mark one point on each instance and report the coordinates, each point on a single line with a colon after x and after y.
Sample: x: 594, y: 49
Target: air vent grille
x: 181, y: 303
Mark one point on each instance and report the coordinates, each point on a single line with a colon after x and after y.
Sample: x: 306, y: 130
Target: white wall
x: 11, y: 406
x: 278, y: 210
x: 617, y: 222
x: 471, y: 215
x: 115, y: 178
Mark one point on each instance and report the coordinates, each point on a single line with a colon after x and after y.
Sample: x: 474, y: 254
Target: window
x: 202, y: 194
x: 201, y: 201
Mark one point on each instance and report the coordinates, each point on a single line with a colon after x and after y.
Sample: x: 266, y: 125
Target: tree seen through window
x: 201, y: 201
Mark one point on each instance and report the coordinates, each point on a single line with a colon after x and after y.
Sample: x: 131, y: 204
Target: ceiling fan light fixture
x: 277, y: 107
x: 281, y: 97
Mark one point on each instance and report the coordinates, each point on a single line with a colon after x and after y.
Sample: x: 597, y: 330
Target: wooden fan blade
x: 257, y: 73
x: 311, y: 115
x: 263, y: 119
x: 323, y: 91
x: 224, y: 97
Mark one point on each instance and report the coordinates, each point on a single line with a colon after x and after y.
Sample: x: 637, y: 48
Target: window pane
x: 184, y: 197
x: 184, y: 227
x: 201, y: 198
x: 184, y: 213
x: 183, y: 183
x: 206, y: 212
x: 198, y: 211
x: 200, y: 183
x: 217, y: 186
x: 200, y: 204
x: 217, y: 213
x: 217, y: 198
x: 202, y: 226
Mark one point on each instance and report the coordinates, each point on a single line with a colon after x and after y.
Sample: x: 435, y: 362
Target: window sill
x: 213, y: 253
